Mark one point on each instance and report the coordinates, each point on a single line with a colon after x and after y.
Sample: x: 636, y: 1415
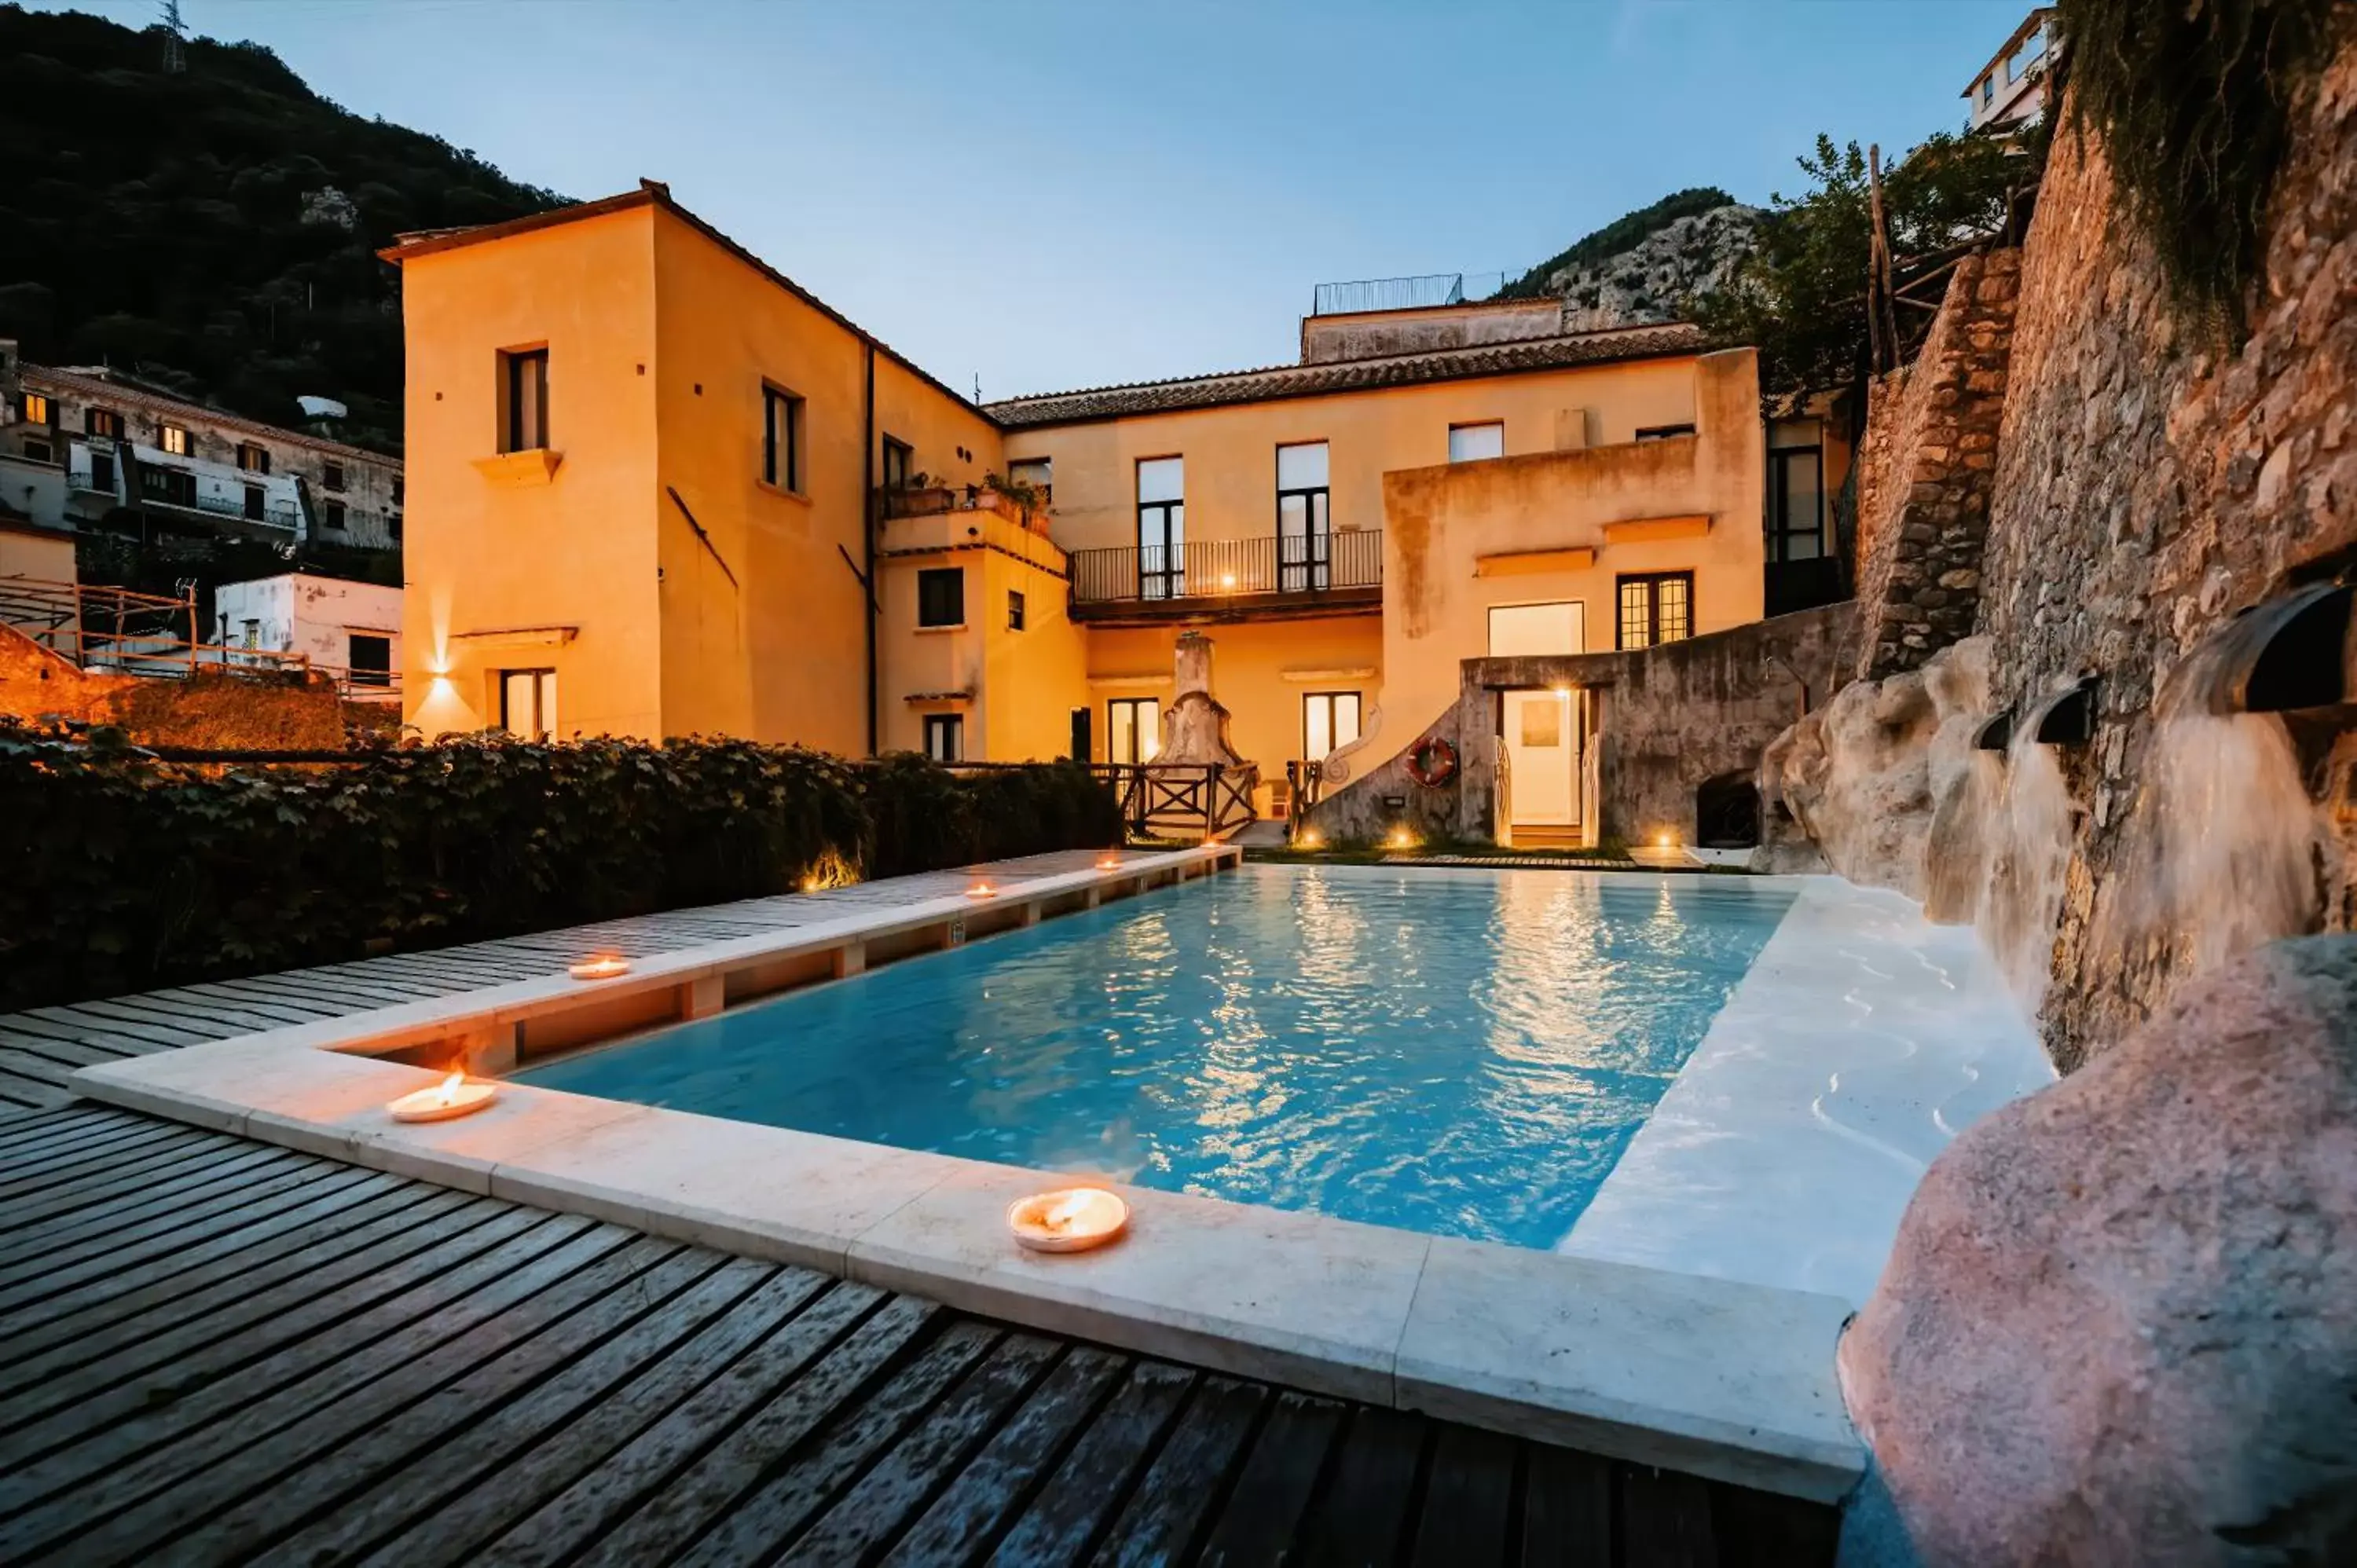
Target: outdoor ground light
x: 454, y: 1096
x: 1401, y: 839
x: 605, y: 966
x: 1311, y: 838
x: 1069, y: 1219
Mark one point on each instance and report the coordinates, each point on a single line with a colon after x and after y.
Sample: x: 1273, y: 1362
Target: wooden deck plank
x: 1068, y: 1515
x: 1280, y: 1475
x: 491, y: 1439
x: 1365, y: 1509
x: 1566, y: 1509
x: 305, y: 1240
x: 1469, y: 1500
x: 87, y: 1032
x: 90, y: 1440
x: 330, y: 1371
x: 122, y: 1486
x: 274, y: 1500
x: 73, y: 1052
x: 457, y: 1532
x: 1168, y: 1508
x: 711, y: 1486
x: 642, y: 1470
x: 104, y: 1019
x: 975, y: 1507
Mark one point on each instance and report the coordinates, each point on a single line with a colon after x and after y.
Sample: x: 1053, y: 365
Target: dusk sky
x: 1053, y: 195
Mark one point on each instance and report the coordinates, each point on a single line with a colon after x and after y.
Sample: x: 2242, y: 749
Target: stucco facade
x: 903, y: 569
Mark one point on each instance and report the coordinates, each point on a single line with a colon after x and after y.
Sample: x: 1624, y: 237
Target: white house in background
x: 2012, y: 89
x: 350, y: 629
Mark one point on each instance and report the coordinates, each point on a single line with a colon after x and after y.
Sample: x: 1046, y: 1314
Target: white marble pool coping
x: 1721, y: 1377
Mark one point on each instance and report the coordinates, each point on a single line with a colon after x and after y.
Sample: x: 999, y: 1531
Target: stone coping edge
x: 1727, y: 1381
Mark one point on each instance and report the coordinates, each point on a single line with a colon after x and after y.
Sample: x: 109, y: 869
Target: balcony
x: 1231, y: 579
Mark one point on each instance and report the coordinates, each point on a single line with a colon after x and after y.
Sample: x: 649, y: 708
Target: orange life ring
x: 1433, y: 762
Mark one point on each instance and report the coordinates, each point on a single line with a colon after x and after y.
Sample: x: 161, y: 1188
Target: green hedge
x: 124, y: 873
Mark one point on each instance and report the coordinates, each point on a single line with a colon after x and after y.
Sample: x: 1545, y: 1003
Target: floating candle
x: 454, y: 1096
x: 604, y: 967
x: 1069, y: 1219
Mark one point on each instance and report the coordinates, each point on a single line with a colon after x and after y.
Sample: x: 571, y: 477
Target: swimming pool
x: 1462, y: 1054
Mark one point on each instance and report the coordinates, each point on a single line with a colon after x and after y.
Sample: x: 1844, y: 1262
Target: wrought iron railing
x: 1164, y: 797
x: 1419, y: 292
x: 1225, y: 568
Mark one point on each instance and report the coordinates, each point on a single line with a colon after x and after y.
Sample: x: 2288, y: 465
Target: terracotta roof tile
x: 1348, y: 375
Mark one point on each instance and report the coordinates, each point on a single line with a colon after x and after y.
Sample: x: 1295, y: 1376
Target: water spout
x: 2293, y: 652
x: 2030, y: 829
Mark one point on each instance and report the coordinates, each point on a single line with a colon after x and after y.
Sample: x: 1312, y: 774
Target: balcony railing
x: 274, y: 514
x: 1217, y: 569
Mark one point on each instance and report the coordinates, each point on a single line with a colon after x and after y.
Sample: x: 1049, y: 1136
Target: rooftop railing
x: 1420, y: 292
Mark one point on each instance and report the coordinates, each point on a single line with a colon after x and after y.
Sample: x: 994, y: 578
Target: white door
x: 1543, y: 758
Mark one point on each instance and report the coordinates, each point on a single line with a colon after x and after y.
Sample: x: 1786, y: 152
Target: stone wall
x: 1669, y: 718
x: 1925, y: 470
x: 2152, y: 484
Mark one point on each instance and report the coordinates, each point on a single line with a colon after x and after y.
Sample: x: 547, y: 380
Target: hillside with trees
x: 214, y: 229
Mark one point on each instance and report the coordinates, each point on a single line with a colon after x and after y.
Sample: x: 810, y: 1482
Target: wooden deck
x: 39, y: 1049
x: 215, y: 1351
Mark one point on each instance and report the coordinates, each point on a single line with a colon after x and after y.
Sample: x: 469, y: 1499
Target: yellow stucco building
x: 656, y: 489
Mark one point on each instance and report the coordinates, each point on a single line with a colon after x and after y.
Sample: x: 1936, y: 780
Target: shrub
x: 126, y: 873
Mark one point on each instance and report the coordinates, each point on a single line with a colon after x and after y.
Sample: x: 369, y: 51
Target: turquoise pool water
x: 1459, y: 1053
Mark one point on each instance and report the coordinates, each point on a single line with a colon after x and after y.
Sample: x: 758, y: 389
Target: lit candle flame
x: 451, y: 1086
x: 1065, y: 1210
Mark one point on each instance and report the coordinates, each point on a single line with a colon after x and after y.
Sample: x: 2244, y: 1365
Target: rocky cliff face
x: 1647, y: 282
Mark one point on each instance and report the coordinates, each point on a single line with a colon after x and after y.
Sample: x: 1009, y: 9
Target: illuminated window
x: 941, y: 596
x: 1305, y: 528
x: 1162, y: 528
x: 1330, y: 721
x: 1472, y: 443
x: 253, y: 459
x: 782, y: 439
x: 528, y: 702
x: 1656, y: 609
x: 945, y: 737
x: 39, y: 409
x: 173, y: 438
x: 523, y: 400
x: 101, y: 421
x: 1132, y: 729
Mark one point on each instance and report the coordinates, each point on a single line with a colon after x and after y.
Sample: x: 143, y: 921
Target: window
x: 523, y: 400
x: 392, y: 525
x: 1330, y: 721
x: 1656, y: 609
x: 251, y: 635
x: 1037, y: 473
x: 39, y: 451
x: 369, y: 660
x: 102, y: 472
x: 782, y: 439
x: 331, y: 476
x: 1014, y: 610
x: 941, y: 596
x: 253, y: 503
x: 1519, y: 630
x: 1472, y: 443
x: 899, y: 463
x: 1132, y: 729
x: 1663, y: 432
x: 253, y: 459
x: 1796, y: 503
x: 528, y: 702
x: 39, y: 409
x: 399, y: 488
x: 101, y: 421
x: 945, y: 736
x: 169, y: 486
x: 334, y: 517
x: 173, y: 438
x: 1988, y: 89
x: 1161, y: 528
x: 1305, y: 530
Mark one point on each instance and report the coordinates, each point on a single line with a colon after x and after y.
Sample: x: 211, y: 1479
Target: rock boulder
x: 2119, y: 1325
